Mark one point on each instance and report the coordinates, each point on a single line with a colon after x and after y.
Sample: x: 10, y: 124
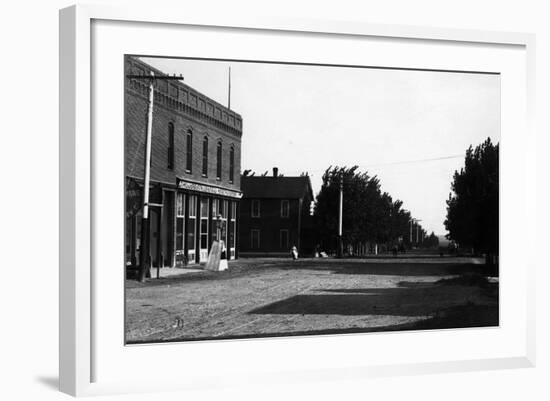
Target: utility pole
x: 144, y: 254
x: 417, y: 230
x: 144, y: 257
x: 340, y: 212
x: 415, y: 222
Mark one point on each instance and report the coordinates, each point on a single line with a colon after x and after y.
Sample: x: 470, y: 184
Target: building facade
x: 195, y: 170
x: 275, y: 215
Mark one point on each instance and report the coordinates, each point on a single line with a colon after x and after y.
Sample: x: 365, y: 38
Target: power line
x: 415, y: 161
x: 312, y: 172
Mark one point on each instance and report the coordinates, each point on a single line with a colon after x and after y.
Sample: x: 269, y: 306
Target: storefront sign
x: 192, y: 186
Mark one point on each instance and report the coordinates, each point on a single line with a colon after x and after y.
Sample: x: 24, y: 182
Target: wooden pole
x: 144, y: 258
x: 340, y: 213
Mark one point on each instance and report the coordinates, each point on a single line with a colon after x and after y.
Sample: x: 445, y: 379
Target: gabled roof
x: 276, y: 187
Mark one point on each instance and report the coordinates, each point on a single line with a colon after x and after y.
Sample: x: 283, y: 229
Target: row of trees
x: 473, y: 205
x: 370, y: 216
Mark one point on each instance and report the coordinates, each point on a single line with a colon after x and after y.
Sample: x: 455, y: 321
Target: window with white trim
x: 231, y: 164
x: 285, y: 208
x: 205, y: 156
x: 191, y: 222
x: 204, y: 223
x: 180, y: 221
x: 189, y: 151
x: 255, y: 212
x: 219, y: 161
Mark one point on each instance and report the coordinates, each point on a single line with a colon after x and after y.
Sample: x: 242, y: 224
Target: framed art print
x: 277, y: 199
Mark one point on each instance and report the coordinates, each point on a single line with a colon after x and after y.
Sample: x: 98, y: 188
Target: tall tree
x: 473, y: 205
x: 431, y: 241
x: 369, y: 215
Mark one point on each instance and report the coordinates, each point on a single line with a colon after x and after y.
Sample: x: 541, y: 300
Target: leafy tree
x: 369, y: 215
x: 431, y: 241
x: 473, y: 206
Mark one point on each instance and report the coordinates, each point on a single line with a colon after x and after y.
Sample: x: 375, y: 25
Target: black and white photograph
x: 290, y: 200
x: 270, y: 199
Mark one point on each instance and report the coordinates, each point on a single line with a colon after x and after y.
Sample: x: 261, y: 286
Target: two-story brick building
x: 275, y: 215
x: 195, y: 170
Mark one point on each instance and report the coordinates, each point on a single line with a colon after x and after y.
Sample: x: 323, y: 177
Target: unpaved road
x: 273, y: 297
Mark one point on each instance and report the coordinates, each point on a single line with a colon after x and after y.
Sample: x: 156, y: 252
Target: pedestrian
x: 316, y: 253
x: 294, y: 252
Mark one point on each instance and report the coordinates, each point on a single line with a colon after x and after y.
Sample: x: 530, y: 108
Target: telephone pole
x: 415, y: 222
x: 417, y: 230
x: 144, y: 257
x: 340, y: 212
x: 144, y: 253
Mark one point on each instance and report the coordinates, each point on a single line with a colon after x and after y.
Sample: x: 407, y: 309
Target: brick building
x: 275, y: 215
x: 195, y: 170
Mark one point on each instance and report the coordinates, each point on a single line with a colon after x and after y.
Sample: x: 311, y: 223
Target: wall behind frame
x: 28, y: 166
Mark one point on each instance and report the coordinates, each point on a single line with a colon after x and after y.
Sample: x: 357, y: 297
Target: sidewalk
x: 165, y: 272
x: 174, y: 271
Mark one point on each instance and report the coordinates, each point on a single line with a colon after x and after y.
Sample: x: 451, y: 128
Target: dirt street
x: 274, y: 297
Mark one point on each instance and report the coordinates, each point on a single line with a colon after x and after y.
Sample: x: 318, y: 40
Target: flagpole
x: 229, y: 92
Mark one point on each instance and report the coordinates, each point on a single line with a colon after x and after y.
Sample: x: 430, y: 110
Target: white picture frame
x: 81, y: 347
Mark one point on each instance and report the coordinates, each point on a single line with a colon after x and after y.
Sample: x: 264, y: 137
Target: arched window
x: 231, y: 164
x: 205, y: 156
x: 189, y: 158
x: 219, y: 161
x: 170, y: 146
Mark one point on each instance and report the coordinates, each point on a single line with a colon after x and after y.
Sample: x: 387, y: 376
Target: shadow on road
x: 456, y: 317
x: 392, y: 267
x: 408, y: 299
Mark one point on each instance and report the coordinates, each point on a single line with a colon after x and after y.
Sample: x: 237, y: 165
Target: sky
x: 409, y: 128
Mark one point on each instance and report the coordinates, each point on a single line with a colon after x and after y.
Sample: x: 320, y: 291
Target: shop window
x: 191, y: 223
x: 215, y: 214
x: 204, y: 223
x: 180, y: 210
x: 180, y: 221
x: 224, y: 210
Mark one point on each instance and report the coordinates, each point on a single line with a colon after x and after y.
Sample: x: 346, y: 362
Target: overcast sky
x: 392, y: 123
